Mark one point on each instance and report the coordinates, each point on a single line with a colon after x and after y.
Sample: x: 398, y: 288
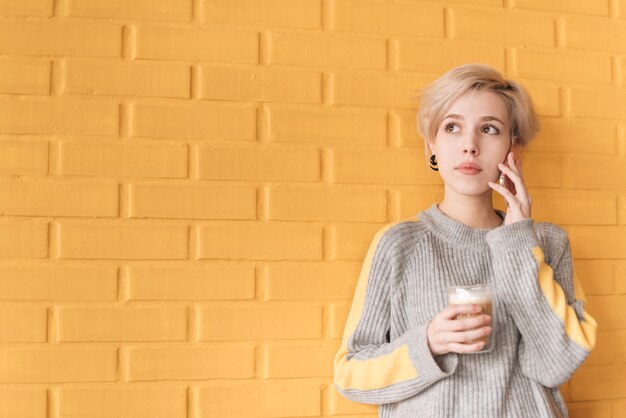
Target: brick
x: 621, y: 11
x: 337, y: 404
x: 22, y: 239
x: 60, y: 39
x: 337, y: 317
x: 26, y: 8
x: 195, y: 121
x: 546, y: 99
x: 260, y: 241
x: 301, y: 14
x: 583, y: 7
x: 258, y: 163
x: 602, y: 382
x: 327, y: 51
x: 123, y: 241
x: 192, y: 283
x: 619, y: 407
x: 173, y: 10
x: 123, y: 402
x: 23, y: 157
x: 58, y: 282
x: 378, y: 166
x: 350, y: 241
x: 599, y: 34
x: 607, y: 310
x: 604, y: 242
x: 585, y: 137
x: 603, y: 351
x: 122, y: 324
x: 262, y: 401
x: 563, y: 66
x: 32, y: 403
x: 596, y: 276
x: 45, y: 198
x: 128, y: 79
x: 542, y: 170
x: 192, y: 202
x: 374, y: 16
x: 311, y: 281
x: 377, y: 90
x: 298, y: 360
x: 25, y: 77
x: 620, y: 278
x: 403, y: 130
x: 596, y: 172
x: 563, y: 207
x: 589, y: 409
x: 438, y: 56
x: 327, y: 204
x: 414, y: 200
x: 123, y: 159
x: 264, y: 85
x: 598, y: 102
x: 620, y: 347
x: 26, y: 116
x: 23, y: 324
x: 509, y: 27
x: 158, y: 42
x: 226, y: 362
x: 260, y: 322
x: 26, y: 365
x: 322, y: 124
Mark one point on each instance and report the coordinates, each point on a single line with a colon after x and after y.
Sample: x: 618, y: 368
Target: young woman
x: 403, y: 347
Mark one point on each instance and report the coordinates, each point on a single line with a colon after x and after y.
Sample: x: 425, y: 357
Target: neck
x: 475, y: 211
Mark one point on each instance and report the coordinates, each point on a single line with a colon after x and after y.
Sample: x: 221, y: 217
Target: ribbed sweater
x: 542, y: 336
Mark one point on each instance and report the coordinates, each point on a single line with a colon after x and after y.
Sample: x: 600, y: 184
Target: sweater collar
x: 452, y: 231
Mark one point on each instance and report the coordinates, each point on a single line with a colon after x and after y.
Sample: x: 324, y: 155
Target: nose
x: 470, y: 144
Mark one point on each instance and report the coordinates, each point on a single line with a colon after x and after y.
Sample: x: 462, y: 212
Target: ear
x: 432, y: 147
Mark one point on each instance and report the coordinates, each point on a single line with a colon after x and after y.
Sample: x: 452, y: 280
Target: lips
x: 470, y: 171
x: 469, y: 168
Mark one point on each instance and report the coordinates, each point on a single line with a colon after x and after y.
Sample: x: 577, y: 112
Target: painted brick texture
x: 188, y: 188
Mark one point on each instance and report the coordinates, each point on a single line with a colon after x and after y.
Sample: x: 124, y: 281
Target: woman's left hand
x: 519, y: 204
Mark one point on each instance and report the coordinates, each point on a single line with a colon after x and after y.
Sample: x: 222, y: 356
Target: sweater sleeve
x: 545, y: 301
x: 370, y: 367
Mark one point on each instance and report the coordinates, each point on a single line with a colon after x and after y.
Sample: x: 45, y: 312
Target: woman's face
x: 471, y: 140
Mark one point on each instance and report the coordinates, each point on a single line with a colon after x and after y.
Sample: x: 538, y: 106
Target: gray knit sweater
x: 543, y: 333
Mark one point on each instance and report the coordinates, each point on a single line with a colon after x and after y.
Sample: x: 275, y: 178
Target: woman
x: 403, y: 347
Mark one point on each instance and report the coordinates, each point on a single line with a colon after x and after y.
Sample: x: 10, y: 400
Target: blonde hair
x: 437, y: 98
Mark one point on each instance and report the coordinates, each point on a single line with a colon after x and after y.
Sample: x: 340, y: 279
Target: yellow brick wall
x: 188, y: 187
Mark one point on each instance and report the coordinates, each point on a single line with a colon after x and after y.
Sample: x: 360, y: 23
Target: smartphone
x: 504, y: 181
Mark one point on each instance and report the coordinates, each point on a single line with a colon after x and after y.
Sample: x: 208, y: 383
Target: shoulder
x: 400, y: 234
x: 550, y: 231
x: 553, y: 238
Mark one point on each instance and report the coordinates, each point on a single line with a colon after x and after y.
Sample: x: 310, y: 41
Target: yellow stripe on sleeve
x: 379, y: 372
x: 582, y: 332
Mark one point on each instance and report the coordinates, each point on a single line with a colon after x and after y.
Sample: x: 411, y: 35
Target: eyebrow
x: 485, y: 118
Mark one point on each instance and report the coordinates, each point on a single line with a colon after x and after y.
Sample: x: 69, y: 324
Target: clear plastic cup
x: 478, y: 294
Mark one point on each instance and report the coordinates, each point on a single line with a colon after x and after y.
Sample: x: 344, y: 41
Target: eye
x: 490, y: 130
x: 451, y: 128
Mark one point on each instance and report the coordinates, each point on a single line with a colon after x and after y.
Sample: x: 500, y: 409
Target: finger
x: 468, y: 323
x: 465, y: 348
x: 452, y: 311
x: 509, y: 197
x: 513, y: 164
x: 470, y: 337
x: 520, y: 188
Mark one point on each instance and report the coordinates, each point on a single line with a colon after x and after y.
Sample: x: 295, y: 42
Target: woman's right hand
x: 449, y: 334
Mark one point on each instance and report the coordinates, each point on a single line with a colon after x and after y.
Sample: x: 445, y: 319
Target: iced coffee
x: 480, y: 294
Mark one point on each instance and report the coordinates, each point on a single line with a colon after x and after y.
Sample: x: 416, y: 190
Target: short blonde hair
x: 437, y: 98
